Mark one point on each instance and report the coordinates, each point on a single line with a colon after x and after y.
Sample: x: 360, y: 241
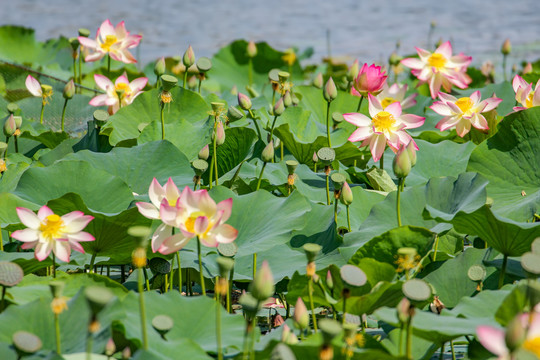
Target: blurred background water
x: 367, y: 30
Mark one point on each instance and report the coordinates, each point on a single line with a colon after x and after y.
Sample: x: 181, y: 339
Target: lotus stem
x: 215, y: 158
x: 260, y: 177
x: 166, y: 286
x: 229, y: 290
x: 200, y: 83
x: 281, y: 148
x: 200, y: 266
x: 503, y: 271
x: 108, y: 65
x: 92, y: 260
x: 53, y: 264
x: 381, y: 165
x: 250, y: 71
x: 147, y: 281
x: 89, y: 343
x: 57, y: 333
x: 310, y: 293
x: 504, y: 67
x: 245, y: 354
x: 1, y: 240
x: 142, y: 310
x: 3, y: 298
x: 453, y: 350
x: 64, y: 114
x: 344, y: 310
x: 16, y: 143
x: 75, y: 68
x: 327, y: 189
x: 254, y: 265
x: 328, y: 124
x: 80, y: 69
x: 252, y: 116
x: 162, y: 121
x: 401, y: 338
x: 335, y: 211
x: 398, y: 201
x: 408, y: 348
x: 441, y: 355
x: 252, y: 343
x: 272, y: 128
x: 435, y: 248
x: 172, y: 274
x: 179, y: 272
x: 359, y: 104
x: 185, y: 78
x: 348, y: 219
x: 41, y: 114
x: 218, y: 328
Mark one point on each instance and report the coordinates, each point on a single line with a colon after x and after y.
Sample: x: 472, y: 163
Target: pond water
x: 358, y: 29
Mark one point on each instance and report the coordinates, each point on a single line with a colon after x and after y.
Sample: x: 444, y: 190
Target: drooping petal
x: 138, y: 84
x: 43, y: 249
x: 26, y: 235
x: 148, y: 210
x: 463, y: 127
x: 103, y: 82
x: 94, y: 56
x: 361, y: 133
x: 377, y: 146
x: 81, y: 236
x: 87, y: 42
x: 413, y: 63
x: 357, y: 119
x: 412, y: 121
x: 492, y: 339
x: 441, y: 108
x: 100, y: 100
x: 479, y: 122
x: 62, y: 250
x: 28, y: 218
x: 33, y: 86
x: 173, y: 244
x: 225, y: 233
x: 75, y: 246
x: 162, y: 232
x: 156, y: 193
x: 29, y: 245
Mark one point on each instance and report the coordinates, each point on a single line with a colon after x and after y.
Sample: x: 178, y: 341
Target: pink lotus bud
x: 329, y: 280
x: 330, y: 90
x: 110, y: 347
x: 287, y: 99
x: 370, y: 80
x: 506, y: 47
x: 318, y: 81
x: 268, y: 152
x: 411, y: 149
x: 10, y: 126
x: 159, y: 67
x: 189, y: 57
x: 204, y: 153
x: 516, y: 332
x: 251, y: 49
x: 69, y: 90
x: 301, y: 315
x: 244, y: 101
x: 403, y: 310
x: 262, y: 286
x: 279, y: 107
x: 346, y: 195
x: 528, y: 69
x: 220, y: 133
x: 352, y: 73
x: 402, y: 163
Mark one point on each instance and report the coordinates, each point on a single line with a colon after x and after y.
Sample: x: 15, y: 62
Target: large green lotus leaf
x: 16, y: 164
x: 8, y: 214
x: 450, y: 278
x: 170, y: 350
x: 483, y: 305
x: 100, y: 191
x: 359, y: 210
x: 128, y: 121
x: 111, y: 235
x: 446, y: 196
x: 383, y: 294
x: 194, y: 319
x: 510, y: 160
x: 36, y: 317
x: 512, y: 303
x: 421, y: 349
x: 33, y: 287
x: 230, y: 67
x: 32, y: 129
x: 138, y: 165
x: 384, y: 248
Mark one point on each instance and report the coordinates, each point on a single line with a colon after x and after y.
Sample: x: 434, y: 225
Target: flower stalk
x: 199, y: 255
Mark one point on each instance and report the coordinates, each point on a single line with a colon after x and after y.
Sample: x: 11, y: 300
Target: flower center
x: 465, y: 104
x: 52, y: 227
x: 123, y: 87
x: 387, y: 101
x: 437, y: 61
x: 110, y: 40
x: 383, y: 121
x: 533, y: 345
x: 165, y: 97
x: 529, y: 101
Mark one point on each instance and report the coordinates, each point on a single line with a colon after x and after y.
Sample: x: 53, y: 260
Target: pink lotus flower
x: 121, y: 93
x: 463, y: 112
x: 196, y: 214
x: 387, y: 125
x: 494, y: 339
x: 48, y: 232
x: 157, y: 193
x: 111, y: 40
x: 370, y: 80
x: 525, y: 95
x: 38, y: 90
x: 396, y: 93
x: 440, y: 68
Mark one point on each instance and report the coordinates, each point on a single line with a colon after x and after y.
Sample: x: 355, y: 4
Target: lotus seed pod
x: 168, y: 82
x: 353, y: 275
x: 403, y: 310
x: 338, y: 180
x: 330, y: 90
x: 189, y: 57
x: 402, y: 163
x: 159, y: 67
x: 318, y: 81
x: 395, y: 59
x: 69, y: 90
x: 273, y: 75
x: 477, y: 273
x: 291, y: 166
x: 234, y: 113
x: 84, y: 32
x: 220, y: 133
x: 199, y: 166
x: 268, y: 152
x: 416, y: 290
x: 311, y: 250
x: 251, y: 49
x: 262, y: 287
x: 217, y: 107
x: 204, y: 64
x: 12, y: 108
x: 228, y: 250
x: 283, y: 76
x: 57, y: 288
x: 162, y: 324
x: 506, y: 47
x: 252, y: 92
x: 287, y: 99
x: 250, y: 305
x: 279, y: 107
x: 411, y: 149
x: 46, y: 89
x: 535, y: 246
x: 225, y: 265
x: 301, y: 316
x: 337, y: 118
x: 326, y: 155
x: 516, y: 332
x: 530, y: 262
x: 204, y: 153
x: 10, y: 274
x: 26, y: 343
x: 110, y: 348
x: 244, y: 101
x: 353, y: 71
x: 97, y: 297
x: 10, y: 126
x: 330, y: 329
x: 346, y: 195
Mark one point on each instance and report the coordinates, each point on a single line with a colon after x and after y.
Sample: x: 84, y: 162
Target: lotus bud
x: 287, y: 336
x: 252, y: 92
x: 159, y: 67
x: 301, y: 316
x: 329, y: 280
x: 251, y: 49
x: 311, y: 250
x: 220, y: 133
x: 515, y: 333
x: 204, y: 153
x: 318, y: 81
x: 3, y: 148
x: 528, y: 69
x: 12, y: 108
x: 315, y: 158
x: 402, y: 163
x: 168, y: 82
x: 10, y: 126
x: 234, y: 113
x: 234, y: 90
x: 506, y: 47
x: 346, y: 195
x: 110, y: 348
x: 279, y: 107
x: 244, y: 101
x: 268, y: 152
x: 287, y: 99
x: 403, y: 310
x: 353, y: 71
x: 69, y: 90
x: 126, y: 353
x: 189, y: 57
x: 438, y: 43
x: 283, y: 76
x: 262, y: 286
x: 84, y: 32
x: 330, y: 90
x: 225, y: 265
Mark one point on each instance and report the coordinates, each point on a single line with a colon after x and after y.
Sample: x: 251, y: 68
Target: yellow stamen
x: 123, y: 87
x: 383, y: 121
x: 387, y: 101
x: 3, y: 166
x: 138, y: 257
x: 533, y: 345
x: 529, y: 101
x: 52, y: 227
x: 437, y: 61
x: 17, y: 132
x: 166, y: 97
x: 110, y: 40
x: 58, y: 305
x: 464, y: 103
x: 289, y: 57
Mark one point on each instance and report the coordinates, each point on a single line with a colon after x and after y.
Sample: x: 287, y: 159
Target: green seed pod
x: 12, y: 108
x: 225, y: 265
x: 251, y: 50
x: 204, y: 153
x: 291, y: 166
x: 84, y: 32
x: 252, y: 92
x: 353, y: 275
x: 69, y: 90
x: 346, y: 195
x: 18, y: 121
x: 477, y: 273
x: 10, y: 274
x: 234, y: 113
x: 97, y: 297
x: 204, y: 64
x: 337, y: 118
x: 26, y: 343
x: 262, y: 287
x: 268, y: 152
x: 217, y: 107
x: 168, y: 82
x: 326, y: 155
x: 318, y: 81
x: 159, y: 265
x: 244, y: 101
x: 159, y: 67
x: 189, y: 57
x: 535, y: 247
x: 57, y: 288
x: 416, y: 290
x: 74, y: 42
x: 530, y: 262
x: 330, y: 90
x: 162, y: 324
x: 311, y: 250
x: 338, y: 180
x: 101, y: 116
x: 283, y: 76
x: 250, y: 305
x: 228, y: 250
x: 199, y: 166
x: 273, y: 75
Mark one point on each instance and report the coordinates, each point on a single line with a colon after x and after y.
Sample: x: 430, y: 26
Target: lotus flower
x: 396, y: 93
x: 525, y: 95
x: 440, y: 68
x: 121, y: 93
x: 463, y: 112
x: 157, y: 193
x: 38, y: 90
x: 48, y: 232
x: 370, y: 80
x: 196, y: 214
x: 387, y: 125
x: 111, y: 40
x: 494, y: 339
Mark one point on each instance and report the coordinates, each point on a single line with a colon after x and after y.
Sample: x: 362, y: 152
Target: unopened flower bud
x: 411, y: 149
x: 353, y: 71
x: 69, y: 90
x: 126, y: 353
x: 10, y: 126
x: 268, y: 152
x: 262, y: 287
x: 220, y: 133
x: 3, y: 148
x: 528, y: 69
x: 301, y: 316
x: 244, y: 101
x: 346, y: 195
x: 506, y: 47
x: 330, y: 90
x: 110, y: 347
x: 279, y: 107
x: 329, y: 280
x: 315, y: 157
x: 402, y: 163
x: 318, y: 81
x: 234, y: 90
x: 287, y: 99
x: 251, y: 49
x: 204, y: 153
x: 189, y: 57
x: 403, y: 310
x: 159, y: 67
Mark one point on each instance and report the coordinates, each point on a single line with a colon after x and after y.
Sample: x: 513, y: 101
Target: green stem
x: 504, y: 67
x: 147, y: 281
x: 215, y: 159
x: 142, y: 310
x: 185, y: 79
x: 273, y: 97
x: 254, y: 265
x: 359, y: 104
x: 200, y: 267
x: 171, y: 288
x: 166, y: 286
x: 53, y: 264
x: 260, y: 177
x: 344, y: 310
x: 381, y: 165
x: 179, y: 272
x: 398, y: 201
x: 503, y: 271
x: 41, y: 114
x: 281, y: 148
x: 80, y: 69
x: 436, y: 247
x: 408, y: 348
x: 453, y: 350
x: 272, y: 129
x: 335, y: 211
x: 218, y: 329
x: 252, y: 343
x: 64, y: 114
x: 245, y: 354
x: 3, y: 298
x: 229, y: 290
x: 315, y: 168
x: 1, y: 240
x: 92, y: 260
x: 89, y: 341
x: 162, y: 122
x: 200, y: 83
x: 252, y: 116
x: 310, y: 293
x: 16, y: 143
x: 108, y: 65
x: 75, y: 69
x: 328, y: 123
x: 250, y: 71
x: 328, y: 189
x: 57, y: 332
x: 348, y: 219
x: 401, y: 338
x: 441, y: 355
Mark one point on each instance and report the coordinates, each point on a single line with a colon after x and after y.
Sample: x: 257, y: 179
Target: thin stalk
x: 200, y: 266
x: 162, y: 121
x: 218, y: 329
x: 3, y: 298
x: 335, y: 211
x: 408, y: 348
x: 229, y: 290
x: 252, y: 343
x: 146, y: 280
x: 382, y: 162
x: 441, y: 355
x: 92, y: 260
x: 80, y: 70
x: 250, y: 71
x: 348, y: 219
x: 75, y: 68
x: 172, y: 274
x: 211, y: 176
x: 89, y: 343
x: 503, y: 271
x: 200, y: 83
x: 185, y: 79
x: 41, y: 114
x: 53, y: 264
x: 57, y: 332
x: 328, y: 123
x: 401, y: 338
x: 179, y: 272
x: 254, y: 265
x: 260, y: 177
x: 252, y: 116
x: 315, y: 168
x: 215, y: 159
x: 310, y: 293
x: 166, y: 286
x: 273, y: 97
x: 108, y: 65
x: 435, y: 248
x: 398, y: 201
x: 245, y: 354
x: 328, y: 189
x: 344, y: 310
x: 1, y: 240
x: 281, y: 149
x: 453, y: 350
x: 360, y: 104
x: 504, y: 68
x: 16, y: 143
x: 272, y: 128
x: 142, y: 310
